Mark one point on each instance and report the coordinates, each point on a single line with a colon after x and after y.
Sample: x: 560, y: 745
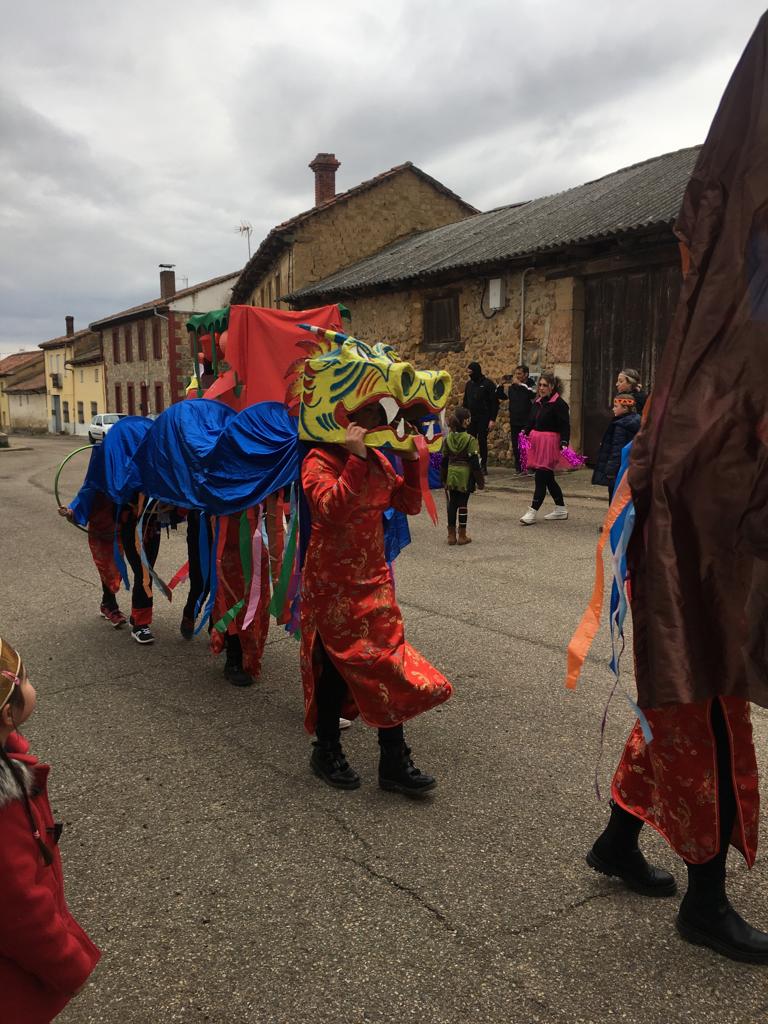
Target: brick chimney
x: 70, y: 322
x: 325, y: 166
x: 167, y: 280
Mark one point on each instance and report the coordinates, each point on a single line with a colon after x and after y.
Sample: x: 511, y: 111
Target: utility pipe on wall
x: 522, y: 311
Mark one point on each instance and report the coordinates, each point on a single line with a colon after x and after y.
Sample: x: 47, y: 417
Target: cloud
x: 143, y: 133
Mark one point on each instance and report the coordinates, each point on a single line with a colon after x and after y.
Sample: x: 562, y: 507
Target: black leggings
x: 456, y: 500
x: 198, y: 585
x: 139, y: 597
x: 544, y: 480
x: 330, y: 693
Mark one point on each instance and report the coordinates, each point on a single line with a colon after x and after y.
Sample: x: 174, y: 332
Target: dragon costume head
x: 342, y: 375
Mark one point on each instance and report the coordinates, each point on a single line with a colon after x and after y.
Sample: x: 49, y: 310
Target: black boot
x: 233, y: 667
x: 706, y: 918
x: 398, y: 773
x: 617, y: 854
x: 329, y: 763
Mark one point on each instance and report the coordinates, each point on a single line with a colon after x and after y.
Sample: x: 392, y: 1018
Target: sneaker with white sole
x: 142, y: 635
x: 559, y: 512
x: 530, y: 517
x: 344, y: 723
x: 113, y: 616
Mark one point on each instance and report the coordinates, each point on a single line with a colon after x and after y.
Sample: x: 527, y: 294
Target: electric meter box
x: 496, y: 293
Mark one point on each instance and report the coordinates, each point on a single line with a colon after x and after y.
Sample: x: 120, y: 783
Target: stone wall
x: 149, y: 371
x: 553, y: 334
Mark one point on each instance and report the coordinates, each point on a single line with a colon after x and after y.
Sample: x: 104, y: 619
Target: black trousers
x: 479, y: 430
x: 330, y: 693
x: 198, y: 584
x: 544, y: 480
x: 456, y: 500
x: 139, y: 596
x: 515, y: 429
x: 108, y: 599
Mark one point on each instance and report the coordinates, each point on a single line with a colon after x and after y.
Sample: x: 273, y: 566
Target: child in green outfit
x: 460, y: 472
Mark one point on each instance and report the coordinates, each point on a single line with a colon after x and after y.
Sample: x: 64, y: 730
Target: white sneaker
x: 530, y: 517
x: 559, y: 512
x: 344, y: 723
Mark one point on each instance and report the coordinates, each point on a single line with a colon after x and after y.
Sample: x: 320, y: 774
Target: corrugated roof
x: 642, y: 196
x: 278, y: 237
x: 147, y: 307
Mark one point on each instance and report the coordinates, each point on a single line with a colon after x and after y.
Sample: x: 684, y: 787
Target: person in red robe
x: 354, y: 656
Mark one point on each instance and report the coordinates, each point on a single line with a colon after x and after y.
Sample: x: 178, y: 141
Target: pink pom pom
x: 572, y: 459
x: 523, y: 447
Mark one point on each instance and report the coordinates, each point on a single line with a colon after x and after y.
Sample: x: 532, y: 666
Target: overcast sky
x: 144, y: 133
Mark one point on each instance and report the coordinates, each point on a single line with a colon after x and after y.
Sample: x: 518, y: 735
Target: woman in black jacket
x: 520, y: 398
x: 620, y: 431
x: 549, y: 431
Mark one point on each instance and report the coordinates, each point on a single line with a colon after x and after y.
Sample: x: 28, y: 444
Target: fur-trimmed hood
x: 9, y: 787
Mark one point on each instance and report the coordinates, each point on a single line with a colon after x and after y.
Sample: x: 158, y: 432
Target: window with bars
x: 142, y: 340
x: 94, y: 409
x: 65, y: 411
x: 157, y: 344
x: 441, y: 323
x: 128, y: 343
x: 80, y: 413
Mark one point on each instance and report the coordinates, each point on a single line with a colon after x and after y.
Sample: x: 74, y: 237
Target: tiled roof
x: 642, y: 196
x: 87, y: 351
x: 147, y: 307
x: 16, y: 361
x: 65, y: 339
x: 35, y: 383
x: 278, y: 238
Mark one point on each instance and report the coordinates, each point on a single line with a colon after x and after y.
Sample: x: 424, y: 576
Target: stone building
x: 71, y: 389
x: 147, y: 356
x: 343, y: 228
x: 582, y: 283
x: 13, y: 369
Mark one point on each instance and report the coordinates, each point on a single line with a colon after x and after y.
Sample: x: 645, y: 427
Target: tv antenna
x: 246, y: 228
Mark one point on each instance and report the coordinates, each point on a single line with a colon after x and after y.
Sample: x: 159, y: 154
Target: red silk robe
x: 348, y: 597
x: 101, y: 541
x: 230, y: 589
x: 672, y: 783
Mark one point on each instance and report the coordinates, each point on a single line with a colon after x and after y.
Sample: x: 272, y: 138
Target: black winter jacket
x: 551, y: 414
x: 520, y: 398
x: 480, y: 399
x: 619, y: 433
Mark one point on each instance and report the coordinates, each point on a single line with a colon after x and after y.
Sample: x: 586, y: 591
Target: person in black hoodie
x: 480, y: 398
x: 520, y: 397
x: 622, y: 428
x: 549, y: 431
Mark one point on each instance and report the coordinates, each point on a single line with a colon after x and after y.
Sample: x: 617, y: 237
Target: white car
x: 101, y: 423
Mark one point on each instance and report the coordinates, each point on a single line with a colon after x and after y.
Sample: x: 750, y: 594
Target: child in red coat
x: 45, y: 956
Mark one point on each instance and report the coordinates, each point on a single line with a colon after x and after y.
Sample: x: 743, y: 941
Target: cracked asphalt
x: 224, y: 883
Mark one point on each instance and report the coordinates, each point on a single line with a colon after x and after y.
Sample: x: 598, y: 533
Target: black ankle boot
x: 706, y: 918
x: 617, y: 855
x: 235, y: 673
x: 329, y: 764
x: 398, y: 773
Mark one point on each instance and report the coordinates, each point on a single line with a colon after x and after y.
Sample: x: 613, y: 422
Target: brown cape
x: 698, y: 558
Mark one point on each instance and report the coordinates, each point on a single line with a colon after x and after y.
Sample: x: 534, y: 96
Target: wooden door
x: 627, y: 317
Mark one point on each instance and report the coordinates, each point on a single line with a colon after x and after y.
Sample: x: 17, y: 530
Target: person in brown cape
x: 698, y: 557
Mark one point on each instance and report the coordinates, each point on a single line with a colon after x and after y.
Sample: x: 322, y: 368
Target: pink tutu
x: 544, y: 451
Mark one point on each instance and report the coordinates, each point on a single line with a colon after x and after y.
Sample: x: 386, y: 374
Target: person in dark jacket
x: 480, y: 398
x: 549, y: 431
x: 628, y: 383
x: 520, y: 397
x: 622, y: 428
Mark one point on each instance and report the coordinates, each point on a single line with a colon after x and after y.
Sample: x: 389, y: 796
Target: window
x: 142, y: 341
x: 82, y: 376
x: 277, y: 291
x: 441, y: 323
x: 118, y: 398
x: 80, y: 413
x: 131, y: 400
x: 269, y: 295
x: 157, y: 344
x: 115, y: 347
x: 159, y: 406
x: 143, y: 400
x: 128, y: 344
x: 65, y: 411
x: 94, y: 409
x: 96, y: 375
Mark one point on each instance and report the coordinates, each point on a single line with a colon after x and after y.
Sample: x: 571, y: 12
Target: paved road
x: 225, y: 884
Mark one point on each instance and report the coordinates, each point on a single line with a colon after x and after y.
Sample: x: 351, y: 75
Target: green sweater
x: 459, y: 449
